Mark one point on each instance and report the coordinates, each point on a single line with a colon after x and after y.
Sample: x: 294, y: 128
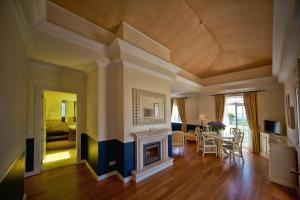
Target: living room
x: 141, y: 74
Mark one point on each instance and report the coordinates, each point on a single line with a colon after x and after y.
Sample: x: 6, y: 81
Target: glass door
x: 242, y: 123
x: 235, y: 116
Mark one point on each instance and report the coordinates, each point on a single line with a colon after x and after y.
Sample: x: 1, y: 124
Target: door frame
x: 38, y: 122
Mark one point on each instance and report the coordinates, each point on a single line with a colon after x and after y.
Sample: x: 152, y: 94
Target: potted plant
x: 217, y: 126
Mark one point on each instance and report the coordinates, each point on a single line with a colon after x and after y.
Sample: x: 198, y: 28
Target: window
x: 63, y: 110
x: 235, y: 116
x: 175, y: 114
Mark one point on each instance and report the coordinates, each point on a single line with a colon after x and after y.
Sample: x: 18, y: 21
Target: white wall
x: 134, y: 78
x: 115, y: 98
x: 270, y: 107
x: 92, y: 103
x: 207, y: 107
x: 192, y: 109
x: 289, y: 89
x: 13, y: 81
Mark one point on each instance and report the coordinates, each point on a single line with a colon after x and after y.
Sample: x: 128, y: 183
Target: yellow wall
x: 53, y: 102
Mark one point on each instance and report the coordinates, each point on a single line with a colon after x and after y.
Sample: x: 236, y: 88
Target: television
x: 272, y: 126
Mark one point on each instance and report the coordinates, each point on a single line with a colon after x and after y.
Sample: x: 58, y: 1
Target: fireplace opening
x: 151, y: 153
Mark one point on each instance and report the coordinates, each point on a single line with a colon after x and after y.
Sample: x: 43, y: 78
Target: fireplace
x: 151, y: 153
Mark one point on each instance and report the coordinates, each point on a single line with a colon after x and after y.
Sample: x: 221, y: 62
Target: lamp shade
x: 201, y: 117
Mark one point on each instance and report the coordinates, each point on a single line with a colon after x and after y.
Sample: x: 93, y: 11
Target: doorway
x: 59, y: 129
x: 235, y: 117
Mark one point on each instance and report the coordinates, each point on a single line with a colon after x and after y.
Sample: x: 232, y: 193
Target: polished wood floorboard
x: 191, y: 177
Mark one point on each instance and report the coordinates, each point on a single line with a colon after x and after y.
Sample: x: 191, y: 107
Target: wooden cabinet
x: 264, y: 144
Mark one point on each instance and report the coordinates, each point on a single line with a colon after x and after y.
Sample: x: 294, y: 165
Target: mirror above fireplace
x: 148, y: 107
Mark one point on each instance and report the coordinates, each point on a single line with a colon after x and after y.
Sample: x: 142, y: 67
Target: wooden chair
x: 178, y: 140
x: 209, y: 145
x: 199, y: 141
x: 191, y: 135
x: 235, y: 148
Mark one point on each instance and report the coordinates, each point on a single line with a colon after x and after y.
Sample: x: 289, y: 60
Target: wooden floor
x: 191, y: 177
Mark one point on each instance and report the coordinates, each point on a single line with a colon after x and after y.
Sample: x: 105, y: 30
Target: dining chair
x: 199, y: 141
x: 209, y: 145
x: 235, y: 147
x: 190, y: 136
x: 234, y: 130
x: 178, y: 140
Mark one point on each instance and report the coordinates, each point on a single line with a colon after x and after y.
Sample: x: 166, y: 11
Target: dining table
x: 220, y: 138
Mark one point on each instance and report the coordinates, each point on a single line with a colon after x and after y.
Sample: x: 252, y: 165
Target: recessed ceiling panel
x: 235, y: 35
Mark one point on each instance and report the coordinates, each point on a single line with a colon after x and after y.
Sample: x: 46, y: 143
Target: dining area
x: 211, y: 140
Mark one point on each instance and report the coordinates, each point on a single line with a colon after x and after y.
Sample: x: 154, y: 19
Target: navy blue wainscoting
x: 89, y: 152
x: 129, y: 158
x: 84, y: 146
x: 177, y: 126
x: 100, y: 154
x: 125, y: 157
x: 12, y: 186
x: 29, y: 154
x: 122, y: 153
x: 109, y: 150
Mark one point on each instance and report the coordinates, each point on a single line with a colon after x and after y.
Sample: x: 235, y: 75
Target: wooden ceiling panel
x: 241, y: 26
x: 237, y: 35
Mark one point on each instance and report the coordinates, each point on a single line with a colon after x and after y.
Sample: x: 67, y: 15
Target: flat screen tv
x: 272, y: 126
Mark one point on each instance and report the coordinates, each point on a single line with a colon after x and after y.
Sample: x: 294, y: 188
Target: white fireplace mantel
x: 146, y: 137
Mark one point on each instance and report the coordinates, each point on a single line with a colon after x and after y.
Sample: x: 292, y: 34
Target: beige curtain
x: 181, y: 110
x: 219, y: 105
x: 251, y: 112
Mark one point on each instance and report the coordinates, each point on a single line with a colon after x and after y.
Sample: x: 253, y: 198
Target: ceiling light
x: 201, y: 22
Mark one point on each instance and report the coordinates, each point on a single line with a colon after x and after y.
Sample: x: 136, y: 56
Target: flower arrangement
x: 217, y: 126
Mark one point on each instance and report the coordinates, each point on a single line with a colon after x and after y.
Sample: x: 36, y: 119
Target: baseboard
x: 32, y: 173
x: 264, y: 155
x: 109, y: 174
x: 284, y: 183
x: 124, y: 180
x: 11, y: 166
x: 92, y: 170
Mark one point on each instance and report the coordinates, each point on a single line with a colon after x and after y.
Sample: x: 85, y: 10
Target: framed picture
x: 290, y: 113
x: 156, y: 109
x: 287, y: 100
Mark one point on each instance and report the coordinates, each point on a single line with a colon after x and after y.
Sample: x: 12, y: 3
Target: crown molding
x: 188, y: 82
x: 122, y: 50
x: 134, y: 57
x: 147, y: 70
x: 58, y: 32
